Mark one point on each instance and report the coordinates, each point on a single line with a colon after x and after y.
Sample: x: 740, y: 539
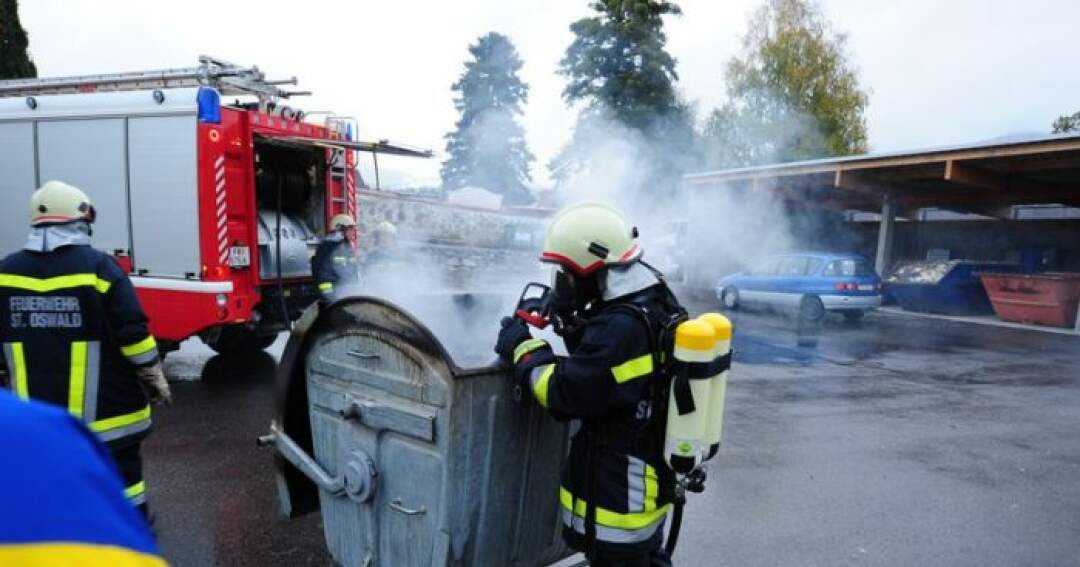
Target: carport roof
x: 985, y: 178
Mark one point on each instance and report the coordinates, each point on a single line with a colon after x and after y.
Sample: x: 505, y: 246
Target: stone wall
x: 470, y: 247
x: 428, y: 220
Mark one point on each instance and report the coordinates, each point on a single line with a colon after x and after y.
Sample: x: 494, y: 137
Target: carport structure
x: 986, y: 179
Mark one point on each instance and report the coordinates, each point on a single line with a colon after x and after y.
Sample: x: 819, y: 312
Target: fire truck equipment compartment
x: 298, y: 242
x: 1045, y: 299
x: 135, y: 157
x: 418, y: 462
x: 294, y: 179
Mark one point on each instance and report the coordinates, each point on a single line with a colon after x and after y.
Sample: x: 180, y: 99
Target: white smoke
x: 695, y: 233
x: 447, y: 269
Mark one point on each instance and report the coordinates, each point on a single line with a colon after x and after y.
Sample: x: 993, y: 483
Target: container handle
x: 364, y: 355
x: 397, y: 505
x: 308, y: 466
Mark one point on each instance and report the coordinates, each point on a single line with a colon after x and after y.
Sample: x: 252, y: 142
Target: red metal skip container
x: 1047, y: 299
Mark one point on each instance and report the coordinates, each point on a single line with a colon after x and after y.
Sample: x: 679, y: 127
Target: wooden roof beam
x: 960, y: 173
x: 1045, y: 148
x: 858, y: 183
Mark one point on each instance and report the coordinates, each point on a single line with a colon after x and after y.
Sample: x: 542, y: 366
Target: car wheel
x: 811, y: 308
x: 852, y: 316
x: 730, y: 299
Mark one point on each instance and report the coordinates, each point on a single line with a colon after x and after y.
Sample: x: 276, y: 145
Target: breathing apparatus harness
x: 661, y: 332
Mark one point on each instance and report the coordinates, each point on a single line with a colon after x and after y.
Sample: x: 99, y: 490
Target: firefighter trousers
x: 129, y: 461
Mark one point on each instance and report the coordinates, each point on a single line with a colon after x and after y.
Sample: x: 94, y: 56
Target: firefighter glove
x: 514, y: 332
x: 153, y: 378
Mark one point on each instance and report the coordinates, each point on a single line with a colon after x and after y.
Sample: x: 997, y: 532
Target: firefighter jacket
x: 73, y: 333
x: 64, y: 505
x: 615, y: 464
x: 334, y: 261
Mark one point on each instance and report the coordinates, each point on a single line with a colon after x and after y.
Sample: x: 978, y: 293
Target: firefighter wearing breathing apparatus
x: 610, y: 309
x: 73, y: 331
x: 335, y: 261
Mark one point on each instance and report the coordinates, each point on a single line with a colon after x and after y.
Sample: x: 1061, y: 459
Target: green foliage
x: 618, y: 60
x: 792, y: 94
x: 487, y: 147
x: 618, y: 68
x: 15, y: 62
x: 1066, y: 123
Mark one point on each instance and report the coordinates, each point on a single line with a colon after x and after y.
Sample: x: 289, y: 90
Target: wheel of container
x: 729, y: 298
x: 811, y: 308
x: 236, y: 339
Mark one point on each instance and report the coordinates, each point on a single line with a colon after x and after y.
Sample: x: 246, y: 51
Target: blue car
x: 811, y: 283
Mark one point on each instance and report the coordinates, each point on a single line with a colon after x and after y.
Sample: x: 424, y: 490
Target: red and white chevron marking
x: 219, y: 203
x: 350, y: 193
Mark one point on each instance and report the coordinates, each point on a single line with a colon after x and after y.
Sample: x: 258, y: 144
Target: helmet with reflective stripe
x: 342, y: 221
x: 56, y: 202
x: 584, y: 238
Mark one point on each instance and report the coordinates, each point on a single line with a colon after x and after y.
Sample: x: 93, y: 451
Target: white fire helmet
x: 584, y: 238
x: 386, y: 228
x: 342, y: 221
x: 56, y: 202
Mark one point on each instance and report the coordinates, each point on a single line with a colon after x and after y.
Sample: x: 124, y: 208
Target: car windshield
x: 848, y: 268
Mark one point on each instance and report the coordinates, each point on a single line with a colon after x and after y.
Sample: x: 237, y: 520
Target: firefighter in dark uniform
x: 335, y: 262
x: 74, y: 334
x: 608, y: 306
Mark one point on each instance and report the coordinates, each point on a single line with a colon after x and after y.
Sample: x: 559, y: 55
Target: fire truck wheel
x: 236, y: 339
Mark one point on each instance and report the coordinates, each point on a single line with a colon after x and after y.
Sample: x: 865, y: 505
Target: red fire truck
x: 213, y: 207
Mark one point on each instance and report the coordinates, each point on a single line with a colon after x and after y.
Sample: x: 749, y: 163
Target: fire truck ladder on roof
x: 229, y: 79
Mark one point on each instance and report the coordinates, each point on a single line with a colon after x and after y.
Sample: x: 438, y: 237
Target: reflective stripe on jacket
x: 606, y: 383
x: 73, y: 333
x: 333, y: 262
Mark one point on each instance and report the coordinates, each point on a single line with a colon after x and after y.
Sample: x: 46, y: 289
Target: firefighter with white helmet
x: 384, y: 242
x: 73, y: 331
x: 335, y: 261
x: 608, y: 306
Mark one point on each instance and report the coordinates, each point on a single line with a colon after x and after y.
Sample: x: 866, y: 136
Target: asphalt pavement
x: 211, y: 489
x: 894, y: 441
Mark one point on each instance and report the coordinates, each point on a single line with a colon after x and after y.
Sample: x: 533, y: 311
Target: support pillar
x: 886, y: 231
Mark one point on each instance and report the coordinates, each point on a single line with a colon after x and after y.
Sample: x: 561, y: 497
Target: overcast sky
x: 938, y: 72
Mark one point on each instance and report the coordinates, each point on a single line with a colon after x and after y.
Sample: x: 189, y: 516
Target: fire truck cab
x: 213, y: 206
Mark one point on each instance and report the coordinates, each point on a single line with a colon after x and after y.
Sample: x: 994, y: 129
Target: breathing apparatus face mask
x: 571, y: 295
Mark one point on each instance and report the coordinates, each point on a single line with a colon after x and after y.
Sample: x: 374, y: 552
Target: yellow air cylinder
x: 720, y: 367
x: 687, y: 414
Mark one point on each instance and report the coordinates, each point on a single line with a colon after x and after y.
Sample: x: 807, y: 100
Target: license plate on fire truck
x: 239, y: 256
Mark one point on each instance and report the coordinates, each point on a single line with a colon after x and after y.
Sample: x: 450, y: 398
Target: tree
x: 15, y: 62
x: 618, y: 60
x: 792, y: 94
x: 618, y: 68
x: 1066, y: 123
x: 487, y: 147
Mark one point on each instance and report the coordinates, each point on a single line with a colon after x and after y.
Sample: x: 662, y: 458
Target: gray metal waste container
x: 418, y: 462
